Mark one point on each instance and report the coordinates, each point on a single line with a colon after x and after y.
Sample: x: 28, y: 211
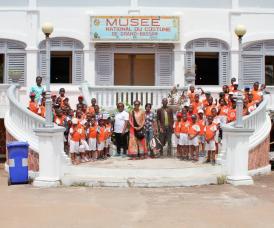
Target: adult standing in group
x: 121, y: 129
x: 137, y: 140
x: 165, y: 124
x: 38, y: 89
x: 150, y: 123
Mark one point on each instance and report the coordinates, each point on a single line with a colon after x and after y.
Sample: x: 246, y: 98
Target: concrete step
x: 153, y: 173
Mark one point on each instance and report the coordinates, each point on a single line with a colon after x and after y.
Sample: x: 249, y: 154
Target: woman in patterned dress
x: 137, y: 146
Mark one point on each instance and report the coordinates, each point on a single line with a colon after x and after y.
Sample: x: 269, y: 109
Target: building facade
x: 199, y: 40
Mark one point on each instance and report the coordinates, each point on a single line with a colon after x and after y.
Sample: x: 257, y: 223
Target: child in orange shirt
x: 59, y: 118
x: 231, y: 116
x: 62, y: 96
x: 108, y: 137
x: 177, y: 128
x: 196, y: 104
x: 193, y: 132
x: 100, y: 137
x: 33, y: 106
x: 74, y: 142
x: 208, y: 108
x: 257, y: 94
x: 92, y: 135
x: 184, y: 142
x: 210, y: 146
x: 201, y: 122
x: 84, y: 148
x: 42, y: 108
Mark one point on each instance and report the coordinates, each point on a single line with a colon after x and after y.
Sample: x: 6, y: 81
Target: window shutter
x: 104, y: 68
x: 190, y: 61
x: 224, y: 70
x: 164, y: 69
x: 78, y: 67
x: 253, y: 69
x: 16, y: 62
x: 43, y: 65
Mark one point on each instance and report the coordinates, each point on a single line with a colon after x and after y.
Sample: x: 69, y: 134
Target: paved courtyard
x: 206, y: 206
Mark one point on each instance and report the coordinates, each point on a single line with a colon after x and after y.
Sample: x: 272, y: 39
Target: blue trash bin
x: 18, y: 162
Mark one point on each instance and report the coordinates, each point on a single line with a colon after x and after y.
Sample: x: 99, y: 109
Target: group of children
x: 88, y: 132
x: 198, y: 125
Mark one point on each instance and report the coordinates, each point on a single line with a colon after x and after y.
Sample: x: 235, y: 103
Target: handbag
x: 139, y: 134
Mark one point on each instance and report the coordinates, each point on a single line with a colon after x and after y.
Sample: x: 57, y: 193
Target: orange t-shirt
x: 202, y: 126
x: 177, y: 127
x: 208, y: 109
x: 191, y: 96
x: 196, y: 106
x: 33, y: 106
x: 231, y: 116
x: 108, y: 131
x: 231, y: 88
x: 194, y: 129
x: 83, y: 132
x: 223, y: 110
x: 210, y: 131
x: 101, y: 134
x: 42, y: 111
x: 75, y: 133
x: 93, y: 131
x: 257, y: 97
x: 91, y: 110
x: 184, y: 127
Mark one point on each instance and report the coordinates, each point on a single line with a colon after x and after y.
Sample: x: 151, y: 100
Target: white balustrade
x: 108, y: 96
x: 20, y: 121
x: 258, y: 120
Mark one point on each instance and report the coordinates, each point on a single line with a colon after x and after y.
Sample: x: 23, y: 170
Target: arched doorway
x: 67, y: 60
x: 209, y: 59
x: 12, y: 58
x: 258, y: 62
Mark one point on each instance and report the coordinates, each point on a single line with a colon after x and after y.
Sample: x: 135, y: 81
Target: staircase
x: 20, y: 123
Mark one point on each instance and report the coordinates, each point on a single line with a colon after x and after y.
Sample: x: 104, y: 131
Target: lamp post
x: 240, y: 31
x: 47, y: 29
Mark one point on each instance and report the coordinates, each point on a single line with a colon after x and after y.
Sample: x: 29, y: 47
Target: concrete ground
x: 206, y: 206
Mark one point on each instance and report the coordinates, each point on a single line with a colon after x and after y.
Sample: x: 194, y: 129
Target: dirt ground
x: 206, y: 206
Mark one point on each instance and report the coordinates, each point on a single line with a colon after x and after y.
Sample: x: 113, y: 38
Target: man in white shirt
x: 121, y: 129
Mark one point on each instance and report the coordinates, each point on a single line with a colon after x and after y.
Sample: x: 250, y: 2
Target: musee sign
x: 135, y: 28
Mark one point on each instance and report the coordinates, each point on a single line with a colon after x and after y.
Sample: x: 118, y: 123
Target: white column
x: 237, y: 153
x: 50, y: 151
x: 31, y: 67
x: 32, y: 42
x: 179, y: 77
x: 89, y: 66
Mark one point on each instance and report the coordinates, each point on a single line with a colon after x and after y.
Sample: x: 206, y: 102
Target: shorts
x: 92, y: 144
x: 107, y: 142
x: 183, y: 141
x: 74, y: 147
x: 175, y: 140
x: 100, y: 146
x: 210, y: 146
x: 194, y: 141
x: 201, y: 139
x: 84, y: 146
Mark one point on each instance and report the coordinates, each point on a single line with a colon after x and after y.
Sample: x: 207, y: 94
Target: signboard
x: 135, y: 28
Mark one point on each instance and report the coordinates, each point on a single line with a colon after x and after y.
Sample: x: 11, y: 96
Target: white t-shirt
x: 120, y: 119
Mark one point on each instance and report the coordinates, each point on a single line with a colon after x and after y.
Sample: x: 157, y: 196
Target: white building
x: 205, y: 42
